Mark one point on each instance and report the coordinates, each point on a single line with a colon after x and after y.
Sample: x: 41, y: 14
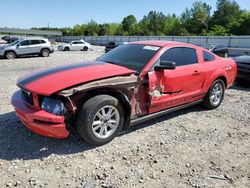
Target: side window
x: 25, y: 43
x: 42, y: 41
x: 74, y: 42
x: 33, y: 42
x: 181, y: 56
x: 208, y: 56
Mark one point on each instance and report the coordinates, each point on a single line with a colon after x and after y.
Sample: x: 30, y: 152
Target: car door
x: 35, y: 46
x: 169, y: 88
x: 23, y: 47
x: 74, y: 46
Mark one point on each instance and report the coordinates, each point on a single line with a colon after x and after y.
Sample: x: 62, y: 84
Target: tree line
x: 227, y: 19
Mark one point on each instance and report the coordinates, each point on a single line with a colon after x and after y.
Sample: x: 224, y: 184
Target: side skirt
x: 167, y: 111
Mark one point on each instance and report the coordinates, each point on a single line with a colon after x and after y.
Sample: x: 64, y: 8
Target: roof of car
x: 163, y: 43
x: 34, y: 38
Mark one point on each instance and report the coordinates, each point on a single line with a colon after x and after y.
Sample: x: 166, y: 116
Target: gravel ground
x: 190, y: 148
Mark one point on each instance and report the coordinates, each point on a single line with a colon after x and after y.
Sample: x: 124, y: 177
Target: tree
x: 218, y: 30
x: 227, y: 14
x: 128, y: 23
x: 196, y: 19
x: 244, y: 20
x: 92, y: 28
x: 172, y: 25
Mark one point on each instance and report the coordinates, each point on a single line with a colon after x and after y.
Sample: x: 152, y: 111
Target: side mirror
x: 166, y: 65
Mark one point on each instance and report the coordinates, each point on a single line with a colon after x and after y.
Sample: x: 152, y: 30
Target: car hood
x: 49, y: 81
x: 4, y: 46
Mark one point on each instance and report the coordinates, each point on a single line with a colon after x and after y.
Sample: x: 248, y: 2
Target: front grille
x: 27, y: 97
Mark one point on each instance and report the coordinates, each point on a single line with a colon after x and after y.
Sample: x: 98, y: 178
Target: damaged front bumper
x: 39, y: 121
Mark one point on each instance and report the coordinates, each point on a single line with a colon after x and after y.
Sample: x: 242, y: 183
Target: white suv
x: 79, y: 45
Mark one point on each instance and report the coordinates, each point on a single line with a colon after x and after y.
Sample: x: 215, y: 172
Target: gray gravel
x: 190, y: 148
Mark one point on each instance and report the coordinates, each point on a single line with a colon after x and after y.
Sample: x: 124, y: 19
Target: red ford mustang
x: 130, y: 84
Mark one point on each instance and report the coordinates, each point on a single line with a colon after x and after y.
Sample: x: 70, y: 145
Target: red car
x: 129, y: 84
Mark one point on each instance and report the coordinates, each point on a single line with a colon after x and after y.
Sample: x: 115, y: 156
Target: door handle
x: 196, y: 73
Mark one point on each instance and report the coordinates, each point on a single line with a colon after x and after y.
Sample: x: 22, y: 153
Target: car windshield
x: 14, y: 43
x: 132, y: 56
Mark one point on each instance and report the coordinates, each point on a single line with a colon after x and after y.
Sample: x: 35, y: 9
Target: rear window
x: 208, y: 56
x: 42, y: 41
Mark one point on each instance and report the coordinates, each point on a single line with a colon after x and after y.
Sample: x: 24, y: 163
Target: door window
x: 180, y: 55
x: 25, y: 43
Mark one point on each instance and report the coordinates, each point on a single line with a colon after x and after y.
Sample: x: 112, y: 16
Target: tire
x: 85, y: 48
x: 215, y: 95
x: 45, y: 52
x: 10, y: 55
x: 66, y: 49
x: 93, y: 127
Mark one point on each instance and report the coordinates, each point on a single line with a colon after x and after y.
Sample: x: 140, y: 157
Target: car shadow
x: 18, y: 142
x: 242, y: 85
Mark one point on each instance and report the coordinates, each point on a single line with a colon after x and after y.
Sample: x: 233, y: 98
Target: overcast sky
x: 63, y: 13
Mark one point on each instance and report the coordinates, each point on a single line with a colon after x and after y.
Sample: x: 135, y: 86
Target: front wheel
x: 215, y: 95
x: 10, y: 55
x: 100, y: 119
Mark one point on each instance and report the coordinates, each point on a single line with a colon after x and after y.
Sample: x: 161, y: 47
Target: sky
x: 64, y: 13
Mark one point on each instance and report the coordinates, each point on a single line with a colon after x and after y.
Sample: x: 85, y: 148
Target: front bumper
x: 39, y: 121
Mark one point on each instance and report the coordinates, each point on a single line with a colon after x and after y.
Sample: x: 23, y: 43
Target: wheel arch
x: 119, y: 93
x: 44, y: 48
x: 9, y: 51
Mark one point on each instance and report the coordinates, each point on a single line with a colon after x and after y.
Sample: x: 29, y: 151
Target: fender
x: 212, y: 77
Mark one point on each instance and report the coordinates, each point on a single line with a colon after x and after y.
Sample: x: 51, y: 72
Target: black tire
x: 87, y: 114
x: 45, y: 52
x: 66, y: 49
x: 85, y: 48
x: 208, y: 103
x: 10, y: 55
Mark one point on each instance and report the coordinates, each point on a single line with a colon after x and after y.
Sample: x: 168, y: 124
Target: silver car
x: 29, y: 46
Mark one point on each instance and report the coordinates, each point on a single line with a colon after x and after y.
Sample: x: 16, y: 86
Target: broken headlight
x: 53, y: 106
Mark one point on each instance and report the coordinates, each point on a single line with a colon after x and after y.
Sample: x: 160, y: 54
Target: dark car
x: 10, y: 39
x: 243, y: 65
x: 110, y: 46
x: 220, y: 50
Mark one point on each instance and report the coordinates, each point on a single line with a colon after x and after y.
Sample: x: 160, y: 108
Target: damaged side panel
x: 130, y: 87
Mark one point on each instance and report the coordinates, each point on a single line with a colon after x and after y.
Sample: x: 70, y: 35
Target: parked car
x: 220, y: 50
x: 79, y: 45
x: 132, y: 83
x: 10, y: 39
x: 243, y: 65
x: 110, y: 46
x: 29, y: 46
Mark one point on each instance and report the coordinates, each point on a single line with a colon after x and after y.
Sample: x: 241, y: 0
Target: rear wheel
x: 85, y: 48
x: 45, y: 53
x: 215, y: 95
x: 10, y: 55
x: 100, y: 119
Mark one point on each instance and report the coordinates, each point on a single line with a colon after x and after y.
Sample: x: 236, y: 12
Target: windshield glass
x: 15, y: 42
x: 132, y: 56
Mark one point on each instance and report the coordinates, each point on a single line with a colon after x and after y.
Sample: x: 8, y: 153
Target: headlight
x: 53, y: 106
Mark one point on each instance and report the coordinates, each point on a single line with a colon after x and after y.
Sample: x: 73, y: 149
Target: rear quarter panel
x: 220, y: 67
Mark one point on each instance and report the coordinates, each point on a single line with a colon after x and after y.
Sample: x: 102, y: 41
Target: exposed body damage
x: 130, y: 89
x: 131, y: 83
